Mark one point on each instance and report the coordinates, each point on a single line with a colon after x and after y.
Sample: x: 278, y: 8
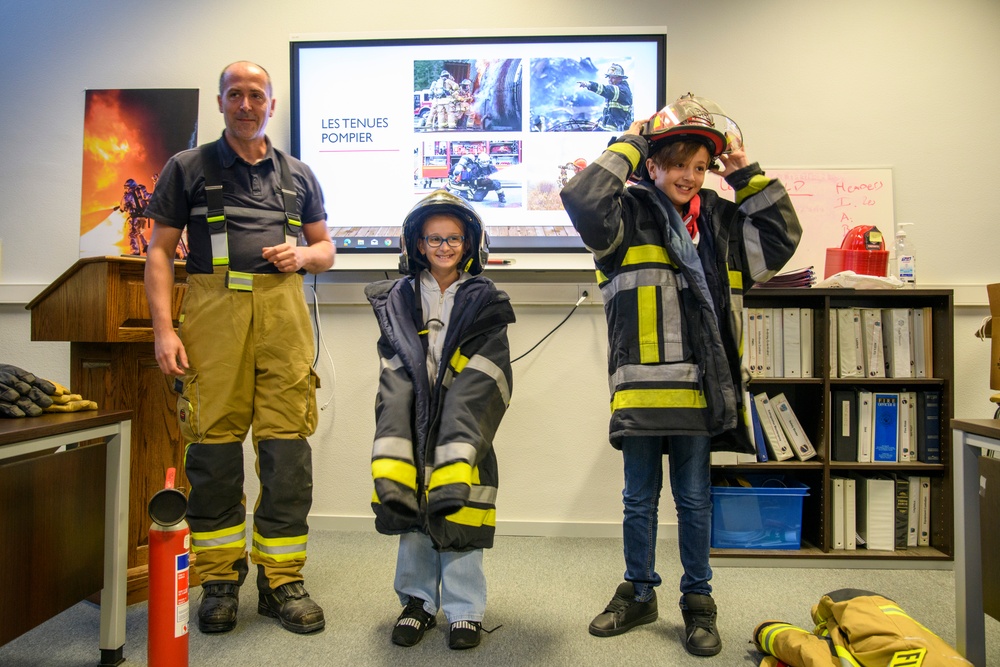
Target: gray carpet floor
x: 542, y: 593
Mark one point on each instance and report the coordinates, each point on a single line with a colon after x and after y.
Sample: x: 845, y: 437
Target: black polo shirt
x: 255, y: 211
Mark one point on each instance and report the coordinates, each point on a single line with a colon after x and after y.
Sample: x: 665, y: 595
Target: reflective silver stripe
x: 654, y: 374
x: 454, y: 451
x: 484, y: 365
x: 612, y: 161
x: 239, y: 281
x: 393, y: 447
x: 220, y: 249
x: 600, y: 254
x: 485, y: 495
x: 279, y: 549
x: 391, y: 364
x: 757, y: 264
x: 758, y: 201
x: 215, y: 542
x: 630, y: 280
x: 673, y: 338
x: 449, y: 377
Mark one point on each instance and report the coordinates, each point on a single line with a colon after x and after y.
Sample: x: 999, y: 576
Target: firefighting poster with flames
x: 128, y: 135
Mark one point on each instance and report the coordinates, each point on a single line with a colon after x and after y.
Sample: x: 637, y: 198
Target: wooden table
x: 969, y: 437
x: 49, y: 526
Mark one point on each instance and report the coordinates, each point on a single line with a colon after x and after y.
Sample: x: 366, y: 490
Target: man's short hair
x: 267, y: 77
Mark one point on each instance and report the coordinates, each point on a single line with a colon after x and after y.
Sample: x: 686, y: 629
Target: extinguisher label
x: 181, y: 595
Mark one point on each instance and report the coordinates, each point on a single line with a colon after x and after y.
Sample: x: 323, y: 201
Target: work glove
x: 10, y: 410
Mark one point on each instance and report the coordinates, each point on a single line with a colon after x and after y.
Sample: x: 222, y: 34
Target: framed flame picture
x: 128, y: 135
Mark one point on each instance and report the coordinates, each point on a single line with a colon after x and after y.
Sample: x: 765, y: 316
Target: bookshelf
x: 811, y: 399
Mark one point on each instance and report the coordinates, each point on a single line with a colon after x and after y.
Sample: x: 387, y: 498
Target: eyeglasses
x: 453, y: 241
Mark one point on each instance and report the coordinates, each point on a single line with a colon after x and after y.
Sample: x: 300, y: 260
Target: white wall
x: 909, y: 84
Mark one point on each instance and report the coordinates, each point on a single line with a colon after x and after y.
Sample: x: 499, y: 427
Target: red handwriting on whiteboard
x: 870, y: 187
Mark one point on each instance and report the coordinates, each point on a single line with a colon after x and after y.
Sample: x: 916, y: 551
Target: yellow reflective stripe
x: 658, y: 398
x: 472, y: 516
x: 220, y: 261
x: 280, y: 548
x: 233, y: 537
x: 756, y: 184
x: 396, y: 471
x: 845, y: 657
x: 215, y: 218
x: 601, y: 278
x: 910, y: 658
x: 649, y: 341
x: 240, y: 281
x: 772, y: 632
x: 459, y: 472
x: 893, y: 610
x: 458, y: 361
x: 736, y: 280
x: 646, y: 254
x: 628, y: 151
x: 280, y: 541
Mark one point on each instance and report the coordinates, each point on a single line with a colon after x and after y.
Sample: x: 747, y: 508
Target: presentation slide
x: 503, y: 123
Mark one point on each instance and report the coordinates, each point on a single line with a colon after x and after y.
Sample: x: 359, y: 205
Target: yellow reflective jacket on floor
x: 855, y: 628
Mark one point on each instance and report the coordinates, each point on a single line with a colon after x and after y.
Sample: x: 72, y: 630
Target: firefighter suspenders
x: 216, y: 213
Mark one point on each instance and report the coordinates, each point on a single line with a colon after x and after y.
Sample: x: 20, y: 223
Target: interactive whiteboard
x: 829, y: 202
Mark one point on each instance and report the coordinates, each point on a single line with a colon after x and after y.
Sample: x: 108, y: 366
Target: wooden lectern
x: 99, y: 305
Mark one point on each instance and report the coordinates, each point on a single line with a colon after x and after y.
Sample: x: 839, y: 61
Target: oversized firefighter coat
x: 674, y: 318
x: 433, y: 461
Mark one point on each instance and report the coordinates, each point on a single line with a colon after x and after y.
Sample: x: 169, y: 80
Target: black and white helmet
x: 477, y: 247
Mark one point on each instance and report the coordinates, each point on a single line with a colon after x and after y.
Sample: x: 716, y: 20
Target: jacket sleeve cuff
x: 446, y: 500
x: 740, y: 178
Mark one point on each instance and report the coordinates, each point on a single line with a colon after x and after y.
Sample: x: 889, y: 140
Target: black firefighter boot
x: 701, y: 637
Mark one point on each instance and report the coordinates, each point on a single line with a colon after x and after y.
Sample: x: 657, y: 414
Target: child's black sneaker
x: 623, y: 613
x: 464, y: 634
x: 412, y: 623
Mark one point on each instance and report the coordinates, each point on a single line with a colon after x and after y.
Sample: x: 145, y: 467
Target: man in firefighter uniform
x: 617, y: 115
x: 855, y: 628
x: 243, y: 350
x: 444, y: 110
x: 463, y: 103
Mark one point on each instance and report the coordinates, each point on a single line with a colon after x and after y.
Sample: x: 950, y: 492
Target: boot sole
x: 622, y: 629
x: 705, y: 652
x: 215, y: 628
x: 298, y: 628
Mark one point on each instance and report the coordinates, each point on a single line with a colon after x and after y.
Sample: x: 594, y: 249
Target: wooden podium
x: 99, y: 305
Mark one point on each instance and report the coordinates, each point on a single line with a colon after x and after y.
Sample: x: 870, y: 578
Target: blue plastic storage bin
x: 768, y: 515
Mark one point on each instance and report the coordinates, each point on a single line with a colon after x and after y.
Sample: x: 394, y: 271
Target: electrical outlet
x: 586, y: 292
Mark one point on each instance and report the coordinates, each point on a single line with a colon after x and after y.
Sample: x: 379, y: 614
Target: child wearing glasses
x: 444, y: 386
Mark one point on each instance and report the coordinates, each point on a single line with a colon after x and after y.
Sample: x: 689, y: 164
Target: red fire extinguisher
x: 169, y: 547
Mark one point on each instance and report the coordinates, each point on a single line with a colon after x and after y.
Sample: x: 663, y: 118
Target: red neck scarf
x: 691, y: 219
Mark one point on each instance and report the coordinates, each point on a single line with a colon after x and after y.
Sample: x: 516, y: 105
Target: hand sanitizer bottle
x: 906, y: 260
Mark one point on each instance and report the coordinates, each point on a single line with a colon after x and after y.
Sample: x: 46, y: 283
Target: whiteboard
x: 829, y: 202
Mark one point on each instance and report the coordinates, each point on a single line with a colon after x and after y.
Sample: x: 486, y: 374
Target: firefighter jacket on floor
x: 855, y: 629
x: 433, y: 461
x: 674, y: 310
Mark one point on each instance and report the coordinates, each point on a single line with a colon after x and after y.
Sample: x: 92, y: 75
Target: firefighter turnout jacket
x: 433, y: 462
x: 855, y: 628
x: 674, y: 310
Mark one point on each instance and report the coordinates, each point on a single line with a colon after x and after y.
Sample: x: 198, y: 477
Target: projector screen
x: 501, y: 121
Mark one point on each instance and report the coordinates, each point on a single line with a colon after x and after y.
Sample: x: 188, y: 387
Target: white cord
x: 981, y: 334
x: 319, y: 335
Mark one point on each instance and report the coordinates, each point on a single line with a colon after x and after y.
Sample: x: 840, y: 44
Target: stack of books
x: 804, y: 277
